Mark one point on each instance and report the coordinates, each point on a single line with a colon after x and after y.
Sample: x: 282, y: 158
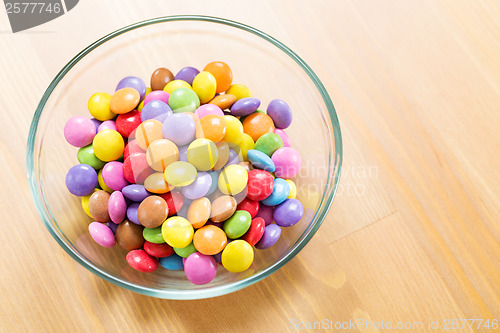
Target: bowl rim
x: 319, y: 216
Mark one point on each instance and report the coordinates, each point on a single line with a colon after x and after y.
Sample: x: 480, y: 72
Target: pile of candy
x: 201, y: 179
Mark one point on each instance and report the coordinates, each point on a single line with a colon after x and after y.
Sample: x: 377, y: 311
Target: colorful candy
x: 193, y: 185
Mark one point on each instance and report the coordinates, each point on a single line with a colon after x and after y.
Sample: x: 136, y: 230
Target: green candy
x: 153, y: 235
x: 268, y: 143
x: 183, y: 100
x: 185, y: 251
x: 238, y: 224
x: 86, y: 155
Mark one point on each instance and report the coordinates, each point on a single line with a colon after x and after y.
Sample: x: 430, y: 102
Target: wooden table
x: 413, y: 234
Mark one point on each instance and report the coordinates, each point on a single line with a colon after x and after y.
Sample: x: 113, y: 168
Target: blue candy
x: 280, y: 192
x: 260, y: 160
x: 172, y: 262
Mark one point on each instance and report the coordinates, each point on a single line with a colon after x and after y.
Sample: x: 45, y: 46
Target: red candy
x: 254, y: 234
x: 130, y: 148
x: 158, y: 250
x: 141, y: 261
x: 136, y: 168
x: 250, y: 206
x: 175, y: 201
x: 126, y: 123
x: 260, y: 184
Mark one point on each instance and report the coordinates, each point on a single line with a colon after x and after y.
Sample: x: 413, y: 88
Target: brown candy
x: 129, y: 235
x: 98, y: 206
x: 124, y: 100
x: 160, y: 78
x: 224, y: 101
x: 152, y: 211
x: 223, y: 208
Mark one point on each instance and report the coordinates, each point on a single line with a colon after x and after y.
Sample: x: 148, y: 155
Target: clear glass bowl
x: 269, y: 68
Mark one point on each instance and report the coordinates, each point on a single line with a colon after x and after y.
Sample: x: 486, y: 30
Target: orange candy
x: 148, y: 132
x: 209, y: 240
x: 224, y: 101
x: 222, y: 73
x: 211, y: 127
x: 124, y: 100
x: 258, y: 124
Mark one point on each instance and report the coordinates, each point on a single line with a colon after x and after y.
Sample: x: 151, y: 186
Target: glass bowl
x: 269, y: 68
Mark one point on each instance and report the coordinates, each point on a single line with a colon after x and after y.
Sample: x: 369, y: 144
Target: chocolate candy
x: 129, y: 235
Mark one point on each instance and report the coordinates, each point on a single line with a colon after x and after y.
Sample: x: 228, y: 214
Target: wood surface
x: 413, y: 234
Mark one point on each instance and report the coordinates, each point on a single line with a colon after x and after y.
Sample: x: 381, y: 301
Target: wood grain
x: 413, y: 234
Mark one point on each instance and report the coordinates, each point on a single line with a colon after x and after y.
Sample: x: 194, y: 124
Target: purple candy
x: 117, y: 207
x: 284, y: 137
x: 108, y: 124
x: 133, y: 82
x: 199, y: 187
x: 245, y: 106
x: 206, y: 109
x: 187, y: 74
x: 271, y: 235
x: 132, y: 213
x: 288, y: 213
x: 233, y: 158
x: 102, y: 234
x: 183, y: 153
x: 280, y: 113
x: 81, y: 180
x: 135, y: 192
x: 157, y: 95
x: 161, y: 118
x: 112, y: 175
x: 79, y: 131
x: 154, y: 109
x: 112, y: 226
x: 179, y: 128
x: 266, y: 212
x: 96, y: 123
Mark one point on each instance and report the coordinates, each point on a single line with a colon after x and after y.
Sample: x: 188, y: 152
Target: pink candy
x: 207, y: 109
x: 102, y: 234
x: 287, y: 161
x: 79, y: 131
x: 112, y: 174
x: 117, y: 207
x: 199, y: 268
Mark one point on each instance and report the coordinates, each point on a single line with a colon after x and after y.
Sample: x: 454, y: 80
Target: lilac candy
x: 112, y: 226
x: 117, y: 207
x: 161, y: 118
x: 132, y: 213
x: 200, y: 268
x: 266, y: 212
x: 79, y: 131
x: 288, y: 213
x: 183, y: 153
x: 135, y: 192
x: 245, y: 106
x: 280, y: 113
x: 112, y: 175
x: 102, y: 234
x: 96, y: 123
x: 154, y: 109
x: 199, y: 188
x: 233, y: 158
x: 81, y: 180
x: 207, y: 109
x: 284, y: 137
x: 187, y: 74
x: 157, y: 95
x: 133, y: 82
x: 179, y: 128
x: 271, y: 235
x: 108, y: 124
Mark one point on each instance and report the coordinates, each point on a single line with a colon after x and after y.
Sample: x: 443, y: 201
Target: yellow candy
x: 233, y: 179
x: 293, y: 189
x: 180, y: 173
x: 205, y: 85
x: 239, y: 91
x: 148, y: 90
x: 237, y: 256
x: 177, y: 232
x: 175, y: 84
x: 99, y: 106
x: 141, y: 104
x: 234, y: 130
x: 245, y: 145
x: 203, y: 154
x: 102, y: 184
x: 85, y: 203
x: 108, y: 145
